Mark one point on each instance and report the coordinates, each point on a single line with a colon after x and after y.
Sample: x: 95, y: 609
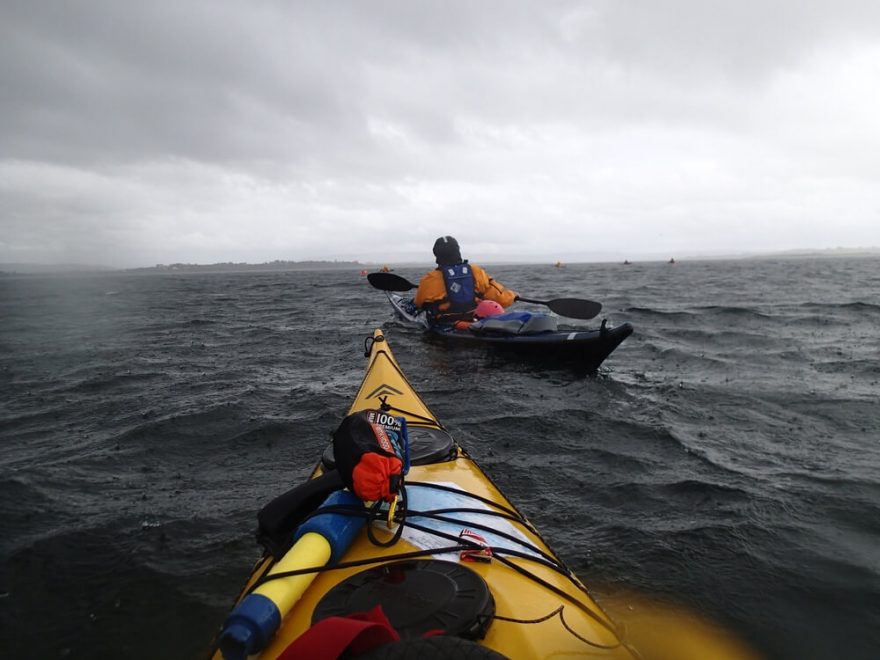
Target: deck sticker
x: 388, y: 430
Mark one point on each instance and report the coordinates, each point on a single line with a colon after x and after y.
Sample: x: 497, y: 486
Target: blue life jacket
x: 459, y: 280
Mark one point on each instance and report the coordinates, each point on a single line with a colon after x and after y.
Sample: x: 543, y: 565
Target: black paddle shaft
x: 573, y: 308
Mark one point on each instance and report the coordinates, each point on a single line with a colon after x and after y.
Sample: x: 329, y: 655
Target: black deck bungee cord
x: 526, y: 573
x: 559, y: 611
x: 438, y: 515
x: 485, y: 500
x: 541, y: 558
x: 374, y: 513
x: 550, y: 562
x: 415, y: 554
x: 501, y: 554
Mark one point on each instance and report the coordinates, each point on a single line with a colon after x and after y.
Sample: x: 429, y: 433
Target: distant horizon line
x: 281, y: 264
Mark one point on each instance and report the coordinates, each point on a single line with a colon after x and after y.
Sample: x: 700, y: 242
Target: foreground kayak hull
x: 541, y: 609
x: 519, y: 600
x: 582, y: 350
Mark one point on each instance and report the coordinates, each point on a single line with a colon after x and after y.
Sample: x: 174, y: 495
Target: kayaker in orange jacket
x: 452, y: 291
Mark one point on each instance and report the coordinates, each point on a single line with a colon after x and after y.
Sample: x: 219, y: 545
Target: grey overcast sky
x: 136, y: 133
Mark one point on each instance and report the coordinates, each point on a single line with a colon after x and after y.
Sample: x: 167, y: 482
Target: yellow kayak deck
x: 541, y: 610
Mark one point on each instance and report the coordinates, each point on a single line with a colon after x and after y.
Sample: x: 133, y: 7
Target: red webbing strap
x: 329, y: 638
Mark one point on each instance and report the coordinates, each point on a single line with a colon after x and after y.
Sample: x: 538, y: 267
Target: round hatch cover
x: 417, y: 597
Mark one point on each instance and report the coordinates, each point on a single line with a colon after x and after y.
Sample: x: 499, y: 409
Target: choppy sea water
x: 726, y: 457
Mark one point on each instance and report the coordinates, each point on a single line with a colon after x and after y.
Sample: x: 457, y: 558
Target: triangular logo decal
x: 383, y: 391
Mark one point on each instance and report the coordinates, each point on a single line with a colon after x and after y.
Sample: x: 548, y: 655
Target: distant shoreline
x: 164, y: 269
x: 231, y: 267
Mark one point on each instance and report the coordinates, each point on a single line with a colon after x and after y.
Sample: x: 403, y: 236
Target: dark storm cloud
x: 143, y: 80
x: 181, y: 118
x: 97, y: 81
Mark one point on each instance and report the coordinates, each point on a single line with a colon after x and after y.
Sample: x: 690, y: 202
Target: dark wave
x: 658, y: 312
x: 720, y: 310
x: 115, y: 381
x: 77, y: 593
x: 855, y: 306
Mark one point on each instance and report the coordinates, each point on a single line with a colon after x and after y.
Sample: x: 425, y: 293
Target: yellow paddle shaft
x: 310, y: 551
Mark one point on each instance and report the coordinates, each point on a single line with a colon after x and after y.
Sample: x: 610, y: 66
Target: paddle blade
x: 390, y: 282
x: 575, y: 308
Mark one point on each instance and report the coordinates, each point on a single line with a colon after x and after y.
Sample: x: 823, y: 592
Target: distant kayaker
x: 453, y: 290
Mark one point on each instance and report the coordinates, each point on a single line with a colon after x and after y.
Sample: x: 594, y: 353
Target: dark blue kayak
x: 582, y: 350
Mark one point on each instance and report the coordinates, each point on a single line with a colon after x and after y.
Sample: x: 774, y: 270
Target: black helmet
x: 447, y: 251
